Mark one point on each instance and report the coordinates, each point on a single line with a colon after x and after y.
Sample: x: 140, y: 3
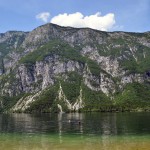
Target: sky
x: 105, y: 15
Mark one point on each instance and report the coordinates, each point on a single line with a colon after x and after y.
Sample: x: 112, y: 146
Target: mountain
x: 54, y: 68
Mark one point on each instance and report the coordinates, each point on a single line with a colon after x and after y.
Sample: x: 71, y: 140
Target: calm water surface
x: 76, y: 131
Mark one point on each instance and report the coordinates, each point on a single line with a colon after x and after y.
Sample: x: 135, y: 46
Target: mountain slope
x: 55, y: 68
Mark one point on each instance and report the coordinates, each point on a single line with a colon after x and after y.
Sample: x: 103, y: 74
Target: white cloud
x: 96, y: 21
x: 44, y: 16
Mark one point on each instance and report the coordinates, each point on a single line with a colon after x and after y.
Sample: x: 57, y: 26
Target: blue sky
x: 107, y: 15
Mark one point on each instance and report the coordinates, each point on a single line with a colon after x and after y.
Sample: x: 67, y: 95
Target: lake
x: 75, y: 131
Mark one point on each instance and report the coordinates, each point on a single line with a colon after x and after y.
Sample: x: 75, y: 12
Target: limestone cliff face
x: 10, y: 42
x: 43, y: 74
x: 44, y: 34
x: 118, y: 59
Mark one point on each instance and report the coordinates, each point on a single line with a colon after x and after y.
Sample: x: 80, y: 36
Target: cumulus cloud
x: 44, y: 16
x: 78, y: 20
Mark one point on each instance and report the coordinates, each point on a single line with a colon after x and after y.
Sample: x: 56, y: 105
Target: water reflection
x: 60, y: 126
x: 91, y: 131
x: 76, y: 123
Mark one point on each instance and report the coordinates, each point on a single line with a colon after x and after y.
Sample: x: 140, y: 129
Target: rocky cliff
x: 55, y: 68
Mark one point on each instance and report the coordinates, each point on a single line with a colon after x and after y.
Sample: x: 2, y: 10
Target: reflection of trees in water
x: 108, y: 127
x: 28, y: 123
x: 7, y: 123
x: 100, y: 123
x: 69, y: 123
x: 91, y: 124
x: 23, y: 123
x: 60, y: 126
x: 116, y: 123
x: 88, y: 123
x: 108, y: 124
x: 76, y: 121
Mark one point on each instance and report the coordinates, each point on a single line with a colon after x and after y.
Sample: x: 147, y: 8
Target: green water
x: 78, y: 131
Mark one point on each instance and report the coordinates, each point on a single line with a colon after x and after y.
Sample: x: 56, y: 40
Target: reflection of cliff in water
x: 100, y: 123
x: 70, y: 123
x: 26, y: 123
x: 76, y: 123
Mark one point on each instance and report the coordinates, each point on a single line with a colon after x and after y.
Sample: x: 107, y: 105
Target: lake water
x: 76, y: 131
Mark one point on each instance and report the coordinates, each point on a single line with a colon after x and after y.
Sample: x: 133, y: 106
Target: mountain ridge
x: 36, y: 65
